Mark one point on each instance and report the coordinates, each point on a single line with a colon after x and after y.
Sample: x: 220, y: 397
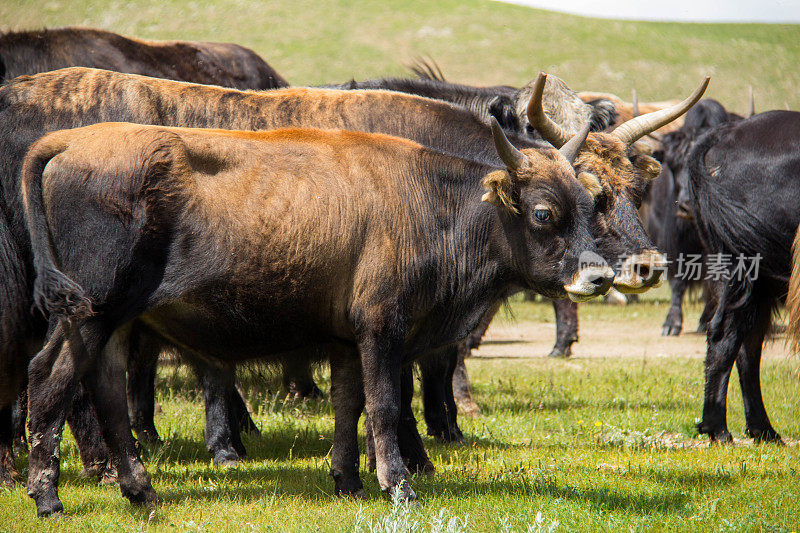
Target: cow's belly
x: 236, y: 333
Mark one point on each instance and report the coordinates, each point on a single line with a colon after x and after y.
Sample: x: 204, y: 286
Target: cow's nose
x: 590, y: 282
x: 640, y: 272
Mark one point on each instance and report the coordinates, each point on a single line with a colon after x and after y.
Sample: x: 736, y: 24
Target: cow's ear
x: 648, y: 167
x: 500, y: 190
x: 502, y: 108
x: 591, y: 183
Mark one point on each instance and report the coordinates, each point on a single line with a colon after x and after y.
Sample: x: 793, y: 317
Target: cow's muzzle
x: 640, y: 272
x: 590, y: 282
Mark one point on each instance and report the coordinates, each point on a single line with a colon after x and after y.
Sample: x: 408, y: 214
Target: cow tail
x: 793, y: 298
x: 53, y: 291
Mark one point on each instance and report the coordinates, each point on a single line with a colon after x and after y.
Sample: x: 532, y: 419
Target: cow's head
x: 546, y: 216
x: 617, y: 174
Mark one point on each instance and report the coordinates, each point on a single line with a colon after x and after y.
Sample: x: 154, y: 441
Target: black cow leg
x: 462, y: 389
x: 95, y: 455
x: 106, y: 384
x: 222, y: 427
x: 674, y: 321
x: 748, y: 365
x: 145, y: 349
x: 8, y: 471
x: 412, y: 449
x: 347, y: 396
x: 723, y: 344
x: 441, y: 413
x: 299, y: 380
x: 381, y: 354
x: 566, y: 327
x: 241, y: 414
x: 19, y: 417
x: 709, y: 309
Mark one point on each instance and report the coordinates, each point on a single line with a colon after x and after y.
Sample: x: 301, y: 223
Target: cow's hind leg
x: 347, y: 396
x: 462, y: 388
x: 724, y: 339
x: 95, y: 455
x: 8, y: 472
x: 106, y: 383
x: 748, y: 364
x: 566, y: 328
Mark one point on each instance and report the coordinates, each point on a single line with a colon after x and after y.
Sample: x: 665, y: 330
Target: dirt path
x: 634, y: 331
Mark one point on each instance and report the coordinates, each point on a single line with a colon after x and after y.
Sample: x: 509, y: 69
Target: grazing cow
x: 667, y: 223
x: 744, y: 190
x: 225, y: 64
x: 252, y: 244
x: 68, y: 98
x: 441, y: 411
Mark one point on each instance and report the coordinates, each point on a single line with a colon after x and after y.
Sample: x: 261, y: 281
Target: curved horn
x: 636, y: 128
x: 549, y: 130
x: 513, y: 158
x: 574, y: 145
x: 636, y: 112
x: 752, y: 110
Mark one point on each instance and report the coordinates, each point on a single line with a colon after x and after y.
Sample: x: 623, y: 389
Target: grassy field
x: 599, y: 443
x: 592, y: 444
x: 475, y: 41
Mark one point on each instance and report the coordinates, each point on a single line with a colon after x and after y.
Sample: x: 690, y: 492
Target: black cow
x: 225, y: 64
x: 667, y: 223
x: 373, y: 244
x: 744, y: 192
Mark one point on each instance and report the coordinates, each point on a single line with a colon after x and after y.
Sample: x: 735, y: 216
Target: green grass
x: 588, y: 443
x: 595, y: 444
x: 475, y: 41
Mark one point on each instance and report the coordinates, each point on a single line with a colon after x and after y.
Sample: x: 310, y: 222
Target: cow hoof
x: 226, y: 458
x: 49, y: 506
x: 670, y: 331
x: 403, y: 492
x: 420, y: 465
x: 559, y: 353
x: 108, y: 476
x: 352, y: 489
x: 765, y: 435
x: 716, y: 436
x: 147, y: 497
x: 468, y: 407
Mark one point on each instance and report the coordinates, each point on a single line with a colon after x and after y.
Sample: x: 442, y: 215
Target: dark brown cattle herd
x: 182, y: 196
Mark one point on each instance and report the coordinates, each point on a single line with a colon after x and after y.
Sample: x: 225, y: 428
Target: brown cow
x: 240, y: 245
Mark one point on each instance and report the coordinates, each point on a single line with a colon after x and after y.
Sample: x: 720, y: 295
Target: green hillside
x: 474, y: 41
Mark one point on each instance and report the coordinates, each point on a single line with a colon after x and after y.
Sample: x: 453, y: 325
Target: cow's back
x: 224, y: 64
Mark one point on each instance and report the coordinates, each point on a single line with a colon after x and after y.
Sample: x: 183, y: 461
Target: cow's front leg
x: 347, y: 396
x: 381, y: 362
x: 144, y: 351
x: 441, y: 413
x: 566, y: 327
x: 408, y: 438
x: 674, y: 321
x: 222, y: 425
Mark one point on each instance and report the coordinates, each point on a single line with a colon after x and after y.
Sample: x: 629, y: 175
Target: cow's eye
x: 543, y: 214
